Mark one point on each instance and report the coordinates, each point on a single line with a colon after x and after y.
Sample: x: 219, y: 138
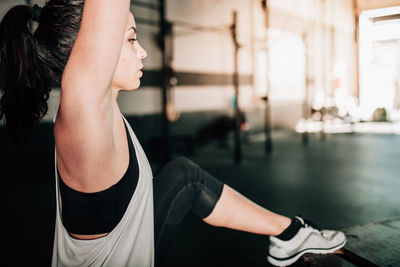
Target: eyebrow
x: 132, y: 28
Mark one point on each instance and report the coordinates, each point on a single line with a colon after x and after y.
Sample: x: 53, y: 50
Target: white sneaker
x: 307, y: 240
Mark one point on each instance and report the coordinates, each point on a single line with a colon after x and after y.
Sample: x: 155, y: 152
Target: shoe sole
x: 289, y: 261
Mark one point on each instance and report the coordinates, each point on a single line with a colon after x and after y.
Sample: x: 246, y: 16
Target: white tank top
x: 130, y: 243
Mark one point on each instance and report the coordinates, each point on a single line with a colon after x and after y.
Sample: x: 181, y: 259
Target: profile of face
x: 129, y: 68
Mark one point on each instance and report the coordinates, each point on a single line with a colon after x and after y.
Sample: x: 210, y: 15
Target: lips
x: 140, y: 72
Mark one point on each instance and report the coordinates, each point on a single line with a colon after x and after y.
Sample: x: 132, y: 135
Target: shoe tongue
x: 299, y: 219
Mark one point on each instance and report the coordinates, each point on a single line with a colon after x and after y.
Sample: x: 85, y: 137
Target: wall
x: 329, y: 26
x: 318, y: 34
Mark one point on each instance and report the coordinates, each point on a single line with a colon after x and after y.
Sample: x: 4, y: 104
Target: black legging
x: 180, y: 186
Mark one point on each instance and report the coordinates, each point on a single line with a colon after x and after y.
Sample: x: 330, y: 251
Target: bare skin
x: 92, y: 149
x: 235, y: 211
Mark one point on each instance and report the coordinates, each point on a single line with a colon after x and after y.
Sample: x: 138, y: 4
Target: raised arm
x: 96, y: 50
x: 88, y: 126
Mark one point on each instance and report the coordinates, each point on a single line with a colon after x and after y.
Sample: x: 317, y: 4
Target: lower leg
x: 235, y: 211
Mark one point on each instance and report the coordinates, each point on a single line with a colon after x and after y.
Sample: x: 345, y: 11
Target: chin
x: 131, y: 87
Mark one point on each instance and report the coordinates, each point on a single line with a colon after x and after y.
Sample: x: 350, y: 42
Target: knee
x: 182, y: 164
x: 180, y: 160
x: 183, y: 168
x: 179, y: 166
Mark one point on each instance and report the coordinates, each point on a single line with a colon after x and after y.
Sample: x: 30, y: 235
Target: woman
x: 107, y: 212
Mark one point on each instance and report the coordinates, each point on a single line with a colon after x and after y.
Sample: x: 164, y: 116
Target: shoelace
x: 308, y: 223
x: 313, y: 226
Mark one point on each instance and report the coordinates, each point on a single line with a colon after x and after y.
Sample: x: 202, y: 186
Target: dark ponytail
x: 30, y: 63
x: 24, y: 80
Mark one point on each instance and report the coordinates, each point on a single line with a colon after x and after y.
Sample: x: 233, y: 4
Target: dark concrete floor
x: 339, y: 182
x: 344, y: 180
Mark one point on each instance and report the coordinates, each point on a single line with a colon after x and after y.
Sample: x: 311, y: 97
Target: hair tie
x: 36, y: 10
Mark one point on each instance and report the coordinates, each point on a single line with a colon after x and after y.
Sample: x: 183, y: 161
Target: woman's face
x: 128, y: 72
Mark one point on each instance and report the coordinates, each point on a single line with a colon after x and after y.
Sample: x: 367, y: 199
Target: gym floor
x: 341, y: 181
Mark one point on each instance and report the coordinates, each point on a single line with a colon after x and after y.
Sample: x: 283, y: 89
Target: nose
x: 141, y: 52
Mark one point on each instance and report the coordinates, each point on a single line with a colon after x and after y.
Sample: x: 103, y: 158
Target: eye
x: 132, y: 40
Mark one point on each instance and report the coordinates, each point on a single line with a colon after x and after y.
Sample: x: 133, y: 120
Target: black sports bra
x: 99, y: 212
